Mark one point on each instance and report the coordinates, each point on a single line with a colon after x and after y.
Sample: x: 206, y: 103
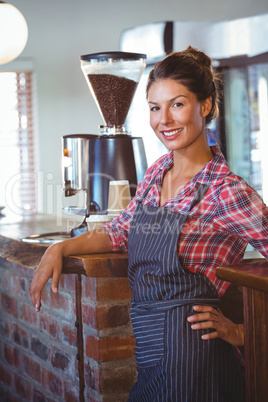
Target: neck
x: 189, y: 161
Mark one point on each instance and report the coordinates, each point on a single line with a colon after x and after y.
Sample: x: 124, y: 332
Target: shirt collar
x: 214, y: 172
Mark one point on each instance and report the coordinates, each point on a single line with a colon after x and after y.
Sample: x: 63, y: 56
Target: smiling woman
x: 190, y: 215
x: 17, y: 142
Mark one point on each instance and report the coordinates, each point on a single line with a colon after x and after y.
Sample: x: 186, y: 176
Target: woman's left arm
x: 208, y: 317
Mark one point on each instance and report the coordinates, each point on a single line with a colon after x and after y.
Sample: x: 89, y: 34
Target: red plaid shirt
x: 217, y: 230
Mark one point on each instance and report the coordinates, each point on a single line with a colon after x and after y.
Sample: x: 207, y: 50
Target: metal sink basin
x: 47, y: 238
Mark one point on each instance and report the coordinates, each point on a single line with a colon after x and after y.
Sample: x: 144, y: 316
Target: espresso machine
x: 91, y: 161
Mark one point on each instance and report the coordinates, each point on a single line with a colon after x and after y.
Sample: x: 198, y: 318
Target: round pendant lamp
x: 13, y: 32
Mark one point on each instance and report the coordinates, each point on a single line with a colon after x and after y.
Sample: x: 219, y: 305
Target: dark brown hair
x: 193, y: 69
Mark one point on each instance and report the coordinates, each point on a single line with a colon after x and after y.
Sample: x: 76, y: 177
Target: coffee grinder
x: 91, y: 161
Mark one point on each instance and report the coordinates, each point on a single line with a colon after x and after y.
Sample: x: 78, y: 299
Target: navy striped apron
x: 174, y: 364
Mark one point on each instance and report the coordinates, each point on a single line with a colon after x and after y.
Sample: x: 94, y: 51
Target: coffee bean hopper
x: 90, y: 161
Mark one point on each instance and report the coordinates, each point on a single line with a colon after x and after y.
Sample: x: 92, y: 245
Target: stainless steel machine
x: 90, y: 161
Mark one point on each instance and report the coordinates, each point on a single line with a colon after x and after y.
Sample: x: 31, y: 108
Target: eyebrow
x: 170, y: 100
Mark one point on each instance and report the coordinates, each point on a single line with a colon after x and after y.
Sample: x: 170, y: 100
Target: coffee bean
x: 114, y: 96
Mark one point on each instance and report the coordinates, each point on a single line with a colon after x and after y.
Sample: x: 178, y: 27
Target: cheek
x: 153, y: 121
x: 183, y: 116
x: 196, y: 118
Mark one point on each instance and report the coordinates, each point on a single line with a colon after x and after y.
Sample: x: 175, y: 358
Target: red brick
x: 11, y: 355
x: 52, y: 382
x: 117, y: 380
x: 29, y: 314
x: 4, y: 328
x: 61, y: 360
x: 67, y: 282
x: 19, y: 285
x: 113, y: 289
x: 23, y: 387
x: 32, y: 368
x: 112, y: 316
x: 4, y: 279
x: 59, y: 302
x: 24, y: 271
x: 7, y: 396
x: 69, y: 335
x: 5, y: 375
x: 49, y: 325
x: 105, y: 316
x: 46, y: 295
x: 120, y: 347
x: 39, y: 349
x: 92, y: 377
x: 38, y: 396
x: 89, y: 314
x: 92, y: 347
x: 10, y: 305
x: 71, y: 392
x: 89, y: 287
x: 20, y: 336
x: 107, y: 349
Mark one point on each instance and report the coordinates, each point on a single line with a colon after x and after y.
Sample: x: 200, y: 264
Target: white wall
x: 62, y: 30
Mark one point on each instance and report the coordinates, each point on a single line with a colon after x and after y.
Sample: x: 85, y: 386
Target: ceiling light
x: 13, y: 32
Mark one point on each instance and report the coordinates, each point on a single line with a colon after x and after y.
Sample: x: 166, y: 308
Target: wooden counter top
x: 29, y: 255
x: 253, y: 275
x: 96, y: 265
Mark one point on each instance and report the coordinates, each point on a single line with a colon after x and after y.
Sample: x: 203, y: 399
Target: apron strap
x: 150, y: 185
x: 162, y: 305
x: 200, y: 193
x: 203, y: 188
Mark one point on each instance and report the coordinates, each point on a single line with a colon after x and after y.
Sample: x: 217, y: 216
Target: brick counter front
x: 80, y: 347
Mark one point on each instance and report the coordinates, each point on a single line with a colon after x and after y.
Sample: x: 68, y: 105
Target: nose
x: 166, y: 116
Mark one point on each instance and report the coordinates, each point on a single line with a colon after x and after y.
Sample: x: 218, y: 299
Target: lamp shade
x: 13, y: 32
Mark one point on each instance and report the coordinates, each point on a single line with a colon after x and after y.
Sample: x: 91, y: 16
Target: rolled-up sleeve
x: 244, y: 213
x: 118, y: 228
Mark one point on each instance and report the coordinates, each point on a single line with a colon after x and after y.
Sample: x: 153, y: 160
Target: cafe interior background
x: 60, y: 31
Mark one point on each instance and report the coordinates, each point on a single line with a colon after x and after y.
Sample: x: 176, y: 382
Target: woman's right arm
x: 96, y: 241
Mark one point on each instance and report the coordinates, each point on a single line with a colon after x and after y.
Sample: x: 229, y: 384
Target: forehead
x: 168, y: 88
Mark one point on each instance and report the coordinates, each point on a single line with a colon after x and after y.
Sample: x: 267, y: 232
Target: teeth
x: 170, y: 133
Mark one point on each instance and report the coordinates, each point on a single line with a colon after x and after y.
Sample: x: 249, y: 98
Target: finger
x: 55, y: 280
x: 38, y: 282
x: 35, y: 296
x: 38, y: 303
x: 204, y: 309
x: 202, y: 317
x: 204, y: 325
x: 210, y: 335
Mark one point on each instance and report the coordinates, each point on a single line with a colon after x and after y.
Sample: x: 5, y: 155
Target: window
x: 246, y: 119
x: 17, y: 142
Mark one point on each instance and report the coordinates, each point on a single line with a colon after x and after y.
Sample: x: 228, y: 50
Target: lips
x: 172, y: 133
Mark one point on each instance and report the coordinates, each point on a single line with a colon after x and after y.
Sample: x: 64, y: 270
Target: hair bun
x: 198, y: 56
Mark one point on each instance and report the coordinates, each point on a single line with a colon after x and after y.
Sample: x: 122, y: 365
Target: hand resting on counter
x: 50, y: 265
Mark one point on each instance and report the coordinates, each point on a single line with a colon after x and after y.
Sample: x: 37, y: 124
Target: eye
x: 154, y: 108
x: 177, y: 104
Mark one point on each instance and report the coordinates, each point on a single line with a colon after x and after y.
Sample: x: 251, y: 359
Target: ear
x: 206, y: 106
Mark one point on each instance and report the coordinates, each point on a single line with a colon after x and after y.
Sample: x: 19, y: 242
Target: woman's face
x: 176, y: 116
